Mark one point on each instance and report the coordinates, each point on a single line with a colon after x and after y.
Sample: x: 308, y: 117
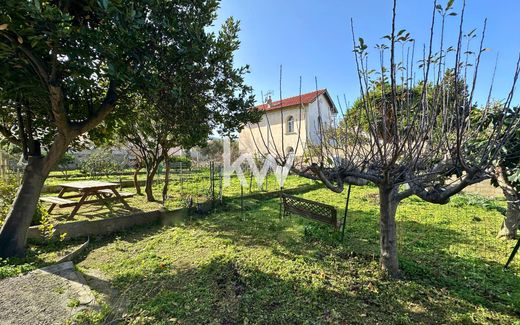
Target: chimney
x: 269, y: 101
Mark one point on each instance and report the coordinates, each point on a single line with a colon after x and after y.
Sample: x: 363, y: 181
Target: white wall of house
x: 277, y: 137
x: 260, y: 138
x: 322, y: 107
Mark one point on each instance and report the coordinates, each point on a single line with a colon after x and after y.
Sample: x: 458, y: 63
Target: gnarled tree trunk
x: 388, y: 230
x: 150, y: 175
x: 136, y: 181
x: 166, y: 178
x: 512, y: 221
x: 13, y: 235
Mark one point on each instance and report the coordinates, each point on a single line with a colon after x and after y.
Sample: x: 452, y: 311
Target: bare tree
x: 414, y: 130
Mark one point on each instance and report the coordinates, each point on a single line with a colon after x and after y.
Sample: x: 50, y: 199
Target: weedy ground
x: 252, y: 267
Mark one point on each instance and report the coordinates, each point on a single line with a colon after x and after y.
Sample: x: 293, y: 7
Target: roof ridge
x: 293, y: 100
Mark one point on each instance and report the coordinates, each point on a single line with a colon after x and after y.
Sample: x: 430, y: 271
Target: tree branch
x: 105, y: 108
x: 9, y: 136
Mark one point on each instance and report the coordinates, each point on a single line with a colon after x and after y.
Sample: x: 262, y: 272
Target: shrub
x: 8, y: 188
x: 177, y: 161
x: 477, y: 200
x: 100, y: 162
x: 66, y: 162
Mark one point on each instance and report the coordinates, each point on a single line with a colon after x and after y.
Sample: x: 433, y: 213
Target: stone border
x: 72, y: 255
x: 78, y: 229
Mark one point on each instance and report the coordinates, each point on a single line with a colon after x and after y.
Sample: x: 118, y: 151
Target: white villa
x: 285, y: 119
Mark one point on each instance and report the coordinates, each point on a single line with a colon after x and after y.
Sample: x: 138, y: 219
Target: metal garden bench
x: 313, y: 210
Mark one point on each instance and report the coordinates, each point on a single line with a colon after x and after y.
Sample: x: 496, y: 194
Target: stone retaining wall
x: 110, y: 225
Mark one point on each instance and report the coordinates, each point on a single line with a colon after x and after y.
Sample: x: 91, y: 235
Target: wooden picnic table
x: 103, y: 191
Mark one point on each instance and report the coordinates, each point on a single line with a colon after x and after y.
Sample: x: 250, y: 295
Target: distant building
x: 284, y: 118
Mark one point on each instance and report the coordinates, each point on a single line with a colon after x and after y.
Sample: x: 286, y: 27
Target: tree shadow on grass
x: 225, y: 291
x: 93, y: 211
x: 425, y: 254
x: 429, y: 258
x: 436, y: 285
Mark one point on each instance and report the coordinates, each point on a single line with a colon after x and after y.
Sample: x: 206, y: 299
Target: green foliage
x: 100, y: 162
x: 73, y: 302
x: 214, y: 149
x: 477, y: 201
x: 40, y: 215
x: 178, y: 161
x: 101, y: 52
x: 509, y: 159
x: 9, y: 269
x: 47, y: 227
x: 67, y: 160
x: 8, y: 188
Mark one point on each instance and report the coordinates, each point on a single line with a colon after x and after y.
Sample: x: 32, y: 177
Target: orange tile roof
x: 292, y: 101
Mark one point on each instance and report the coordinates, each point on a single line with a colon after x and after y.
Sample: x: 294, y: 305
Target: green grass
x: 255, y: 268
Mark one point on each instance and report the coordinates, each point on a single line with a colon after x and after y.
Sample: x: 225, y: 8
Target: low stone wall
x: 110, y: 225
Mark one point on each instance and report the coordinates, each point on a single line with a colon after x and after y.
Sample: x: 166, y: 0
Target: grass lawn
x: 226, y: 268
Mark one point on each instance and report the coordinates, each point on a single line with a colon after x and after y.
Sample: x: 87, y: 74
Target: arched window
x: 290, y: 124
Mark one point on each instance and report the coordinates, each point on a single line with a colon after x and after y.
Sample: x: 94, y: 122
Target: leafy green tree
x: 66, y: 64
x: 204, y: 92
x: 214, y: 149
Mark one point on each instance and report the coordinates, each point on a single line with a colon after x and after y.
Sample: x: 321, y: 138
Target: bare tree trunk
x: 13, y: 235
x: 388, y: 230
x: 166, y: 178
x: 136, y: 181
x: 512, y: 221
x: 150, y: 175
x: 510, y: 225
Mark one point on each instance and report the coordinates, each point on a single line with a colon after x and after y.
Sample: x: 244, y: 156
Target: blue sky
x: 312, y: 39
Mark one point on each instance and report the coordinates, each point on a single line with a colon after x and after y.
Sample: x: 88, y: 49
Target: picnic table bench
x: 103, y: 191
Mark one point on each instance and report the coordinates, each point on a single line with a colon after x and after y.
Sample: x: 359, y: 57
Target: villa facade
x: 289, y: 125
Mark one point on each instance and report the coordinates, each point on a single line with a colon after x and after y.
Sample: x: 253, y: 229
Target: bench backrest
x: 310, y: 209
